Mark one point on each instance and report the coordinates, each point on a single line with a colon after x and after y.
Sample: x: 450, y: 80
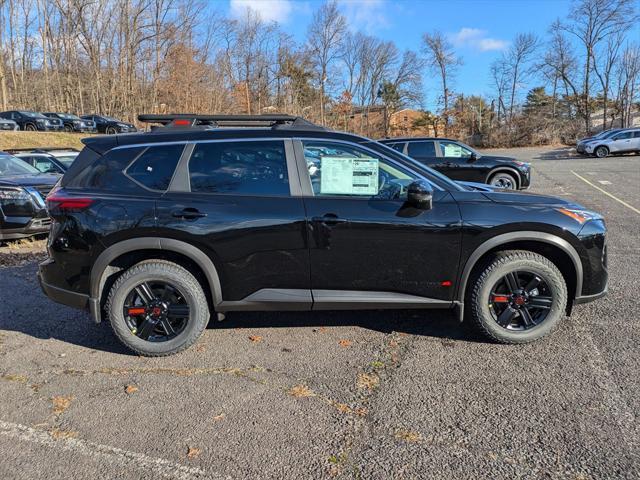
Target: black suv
x: 109, y: 125
x: 73, y: 123
x: 33, y: 121
x: 22, y: 191
x: 210, y: 214
x: 459, y: 161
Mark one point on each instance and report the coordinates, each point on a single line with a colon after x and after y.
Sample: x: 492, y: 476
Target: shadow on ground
x: 40, y: 318
x: 563, y: 153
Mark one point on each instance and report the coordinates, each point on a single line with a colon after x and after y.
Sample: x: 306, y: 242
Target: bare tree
x: 443, y: 61
x: 325, y: 36
x: 592, y: 22
x: 516, y: 59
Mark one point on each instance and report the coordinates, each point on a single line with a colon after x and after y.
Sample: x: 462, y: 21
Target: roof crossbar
x: 189, y: 120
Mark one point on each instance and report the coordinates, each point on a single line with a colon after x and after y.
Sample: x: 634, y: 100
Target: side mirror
x: 420, y: 195
x: 473, y: 157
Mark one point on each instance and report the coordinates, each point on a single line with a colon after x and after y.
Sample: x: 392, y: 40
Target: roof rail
x: 191, y: 120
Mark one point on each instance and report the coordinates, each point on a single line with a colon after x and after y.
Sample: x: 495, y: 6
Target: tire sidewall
x: 553, y: 279
x: 602, y: 149
x: 198, y: 317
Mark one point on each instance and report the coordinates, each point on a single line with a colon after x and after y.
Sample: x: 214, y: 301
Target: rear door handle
x: 189, y: 213
x: 329, y: 219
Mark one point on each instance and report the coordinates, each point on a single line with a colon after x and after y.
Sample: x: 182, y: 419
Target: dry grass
x: 407, y: 435
x: 367, y: 380
x: 60, y: 404
x: 59, y: 434
x: 40, y: 139
x: 301, y: 391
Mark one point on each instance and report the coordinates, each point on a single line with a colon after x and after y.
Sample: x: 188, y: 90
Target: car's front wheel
x: 111, y: 131
x: 601, y: 152
x: 504, y: 180
x: 157, y: 308
x: 517, y: 297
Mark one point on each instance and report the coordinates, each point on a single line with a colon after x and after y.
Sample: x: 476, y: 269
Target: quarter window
x: 422, y: 149
x: 155, y: 167
x: 342, y: 169
x: 245, y: 168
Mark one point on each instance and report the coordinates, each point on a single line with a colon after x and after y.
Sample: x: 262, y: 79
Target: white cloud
x: 269, y: 10
x: 369, y: 16
x: 477, y: 39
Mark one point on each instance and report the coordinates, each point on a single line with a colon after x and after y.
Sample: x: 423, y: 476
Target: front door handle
x: 189, y: 213
x: 329, y: 219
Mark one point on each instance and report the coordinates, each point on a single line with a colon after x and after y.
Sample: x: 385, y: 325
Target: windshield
x: 431, y: 174
x: 33, y: 114
x: 68, y: 116
x: 66, y: 160
x: 10, y: 165
x: 111, y: 119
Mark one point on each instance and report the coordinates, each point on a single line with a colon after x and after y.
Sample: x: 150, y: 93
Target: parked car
x: 43, y: 162
x: 604, y: 134
x: 625, y: 141
x: 110, y: 125
x: 23, y: 188
x: 33, y: 121
x: 6, y: 124
x: 459, y: 161
x: 61, y: 157
x: 73, y: 123
x: 157, y: 231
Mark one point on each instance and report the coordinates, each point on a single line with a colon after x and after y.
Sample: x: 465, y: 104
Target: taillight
x: 58, y: 201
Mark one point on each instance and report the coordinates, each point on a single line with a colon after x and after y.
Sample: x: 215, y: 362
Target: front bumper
x: 33, y: 227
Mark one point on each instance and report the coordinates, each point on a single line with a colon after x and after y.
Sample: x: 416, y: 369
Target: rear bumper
x: 65, y: 297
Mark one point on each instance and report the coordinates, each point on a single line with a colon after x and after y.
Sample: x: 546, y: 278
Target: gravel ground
x: 372, y: 395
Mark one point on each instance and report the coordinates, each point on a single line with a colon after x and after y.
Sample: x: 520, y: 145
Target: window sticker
x: 349, y: 176
x: 452, y: 150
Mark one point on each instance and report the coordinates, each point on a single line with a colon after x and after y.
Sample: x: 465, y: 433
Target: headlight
x: 13, y: 194
x: 77, y: 122
x: 580, y: 216
x: 16, y: 202
x: 522, y: 164
x: 122, y: 125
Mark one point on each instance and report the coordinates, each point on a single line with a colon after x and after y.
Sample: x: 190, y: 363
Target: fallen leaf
x: 367, y: 380
x: 407, y: 435
x: 255, y: 338
x: 219, y: 417
x: 301, y: 391
x: 60, y: 404
x: 361, y: 412
x: 344, y: 343
x: 193, y: 452
x: 130, y: 389
x: 201, y: 348
x: 59, y: 434
x: 12, y: 377
x: 342, y: 407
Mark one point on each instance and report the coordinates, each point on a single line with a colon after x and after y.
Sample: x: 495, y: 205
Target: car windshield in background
x: 68, y: 116
x: 33, y: 114
x: 111, y: 119
x: 10, y: 165
x: 67, y: 160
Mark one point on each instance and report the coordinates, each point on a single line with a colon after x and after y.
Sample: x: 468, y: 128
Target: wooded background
x: 125, y: 57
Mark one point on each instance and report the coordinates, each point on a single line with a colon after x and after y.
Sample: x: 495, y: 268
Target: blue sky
x: 479, y: 29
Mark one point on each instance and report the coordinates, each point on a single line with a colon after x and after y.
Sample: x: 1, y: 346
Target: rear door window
x: 154, y: 168
x: 421, y: 149
x: 244, y: 168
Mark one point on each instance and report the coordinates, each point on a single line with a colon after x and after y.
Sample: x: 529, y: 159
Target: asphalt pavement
x: 354, y: 395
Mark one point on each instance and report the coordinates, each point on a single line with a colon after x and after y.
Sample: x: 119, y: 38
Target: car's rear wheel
x: 30, y: 128
x: 503, y: 180
x: 68, y: 129
x: 601, y: 152
x: 517, y: 297
x: 157, y: 308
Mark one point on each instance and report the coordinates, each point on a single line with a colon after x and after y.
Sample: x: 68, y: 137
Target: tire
x: 601, y: 151
x: 30, y: 128
x: 504, y: 180
x: 481, y: 307
x: 110, y: 131
x: 68, y: 129
x: 181, y: 281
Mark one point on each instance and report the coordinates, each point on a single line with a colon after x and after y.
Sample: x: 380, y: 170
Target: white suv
x: 622, y: 142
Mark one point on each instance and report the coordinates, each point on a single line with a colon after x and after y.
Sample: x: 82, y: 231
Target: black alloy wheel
x: 503, y: 180
x: 520, y: 300
x: 156, y: 311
